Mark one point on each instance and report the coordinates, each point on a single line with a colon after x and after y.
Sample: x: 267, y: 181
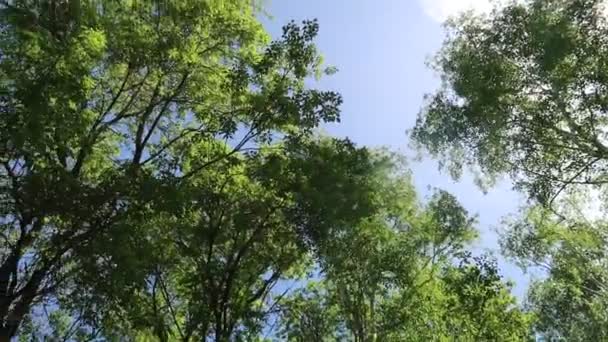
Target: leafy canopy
x: 524, y: 94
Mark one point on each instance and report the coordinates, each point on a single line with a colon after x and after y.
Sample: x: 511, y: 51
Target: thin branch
x: 165, y: 294
x: 175, y: 139
x: 162, y: 111
x: 569, y: 181
x: 236, y: 149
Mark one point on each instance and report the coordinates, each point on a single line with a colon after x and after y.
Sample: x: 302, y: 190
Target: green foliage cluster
x: 404, y: 275
x: 162, y: 179
x: 524, y: 94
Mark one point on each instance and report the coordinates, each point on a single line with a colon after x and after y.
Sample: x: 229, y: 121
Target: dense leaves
x: 524, y: 94
x: 571, y: 301
x: 163, y: 180
x: 394, y: 277
x: 110, y: 115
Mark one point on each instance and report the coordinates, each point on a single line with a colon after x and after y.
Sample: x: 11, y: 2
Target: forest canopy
x: 164, y: 178
x: 524, y: 95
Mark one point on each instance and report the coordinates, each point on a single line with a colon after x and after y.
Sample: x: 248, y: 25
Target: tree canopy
x: 164, y: 178
x: 524, y: 94
x: 120, y: 120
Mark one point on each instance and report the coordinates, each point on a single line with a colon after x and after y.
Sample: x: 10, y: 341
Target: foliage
x: 309, y: 314
x: 109, y: 111
x: 393, y: 278
x: 524, y: 94
x: 162, y: 175
x: 571, y: 301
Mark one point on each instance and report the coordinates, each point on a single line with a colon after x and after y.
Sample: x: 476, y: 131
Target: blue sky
x: 380, y: 48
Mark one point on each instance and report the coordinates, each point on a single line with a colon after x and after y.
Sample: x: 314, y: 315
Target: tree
x: 392, y: 262
x: 393, y: 278
x: 481, y: 307
x: 100, y: 104
x: 309, y: 314
x: 524, y: 93
x: 571, y: 300
x: 161, y: 175
x: 241, y: 230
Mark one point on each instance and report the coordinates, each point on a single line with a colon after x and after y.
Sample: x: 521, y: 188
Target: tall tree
x: 239, y: 231
x: 571, y: 299
x: 393, y: 278
x: 100, y: 103
x: 524, y: 93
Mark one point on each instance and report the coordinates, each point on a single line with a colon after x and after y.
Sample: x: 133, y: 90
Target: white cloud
x: 440, y: 10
